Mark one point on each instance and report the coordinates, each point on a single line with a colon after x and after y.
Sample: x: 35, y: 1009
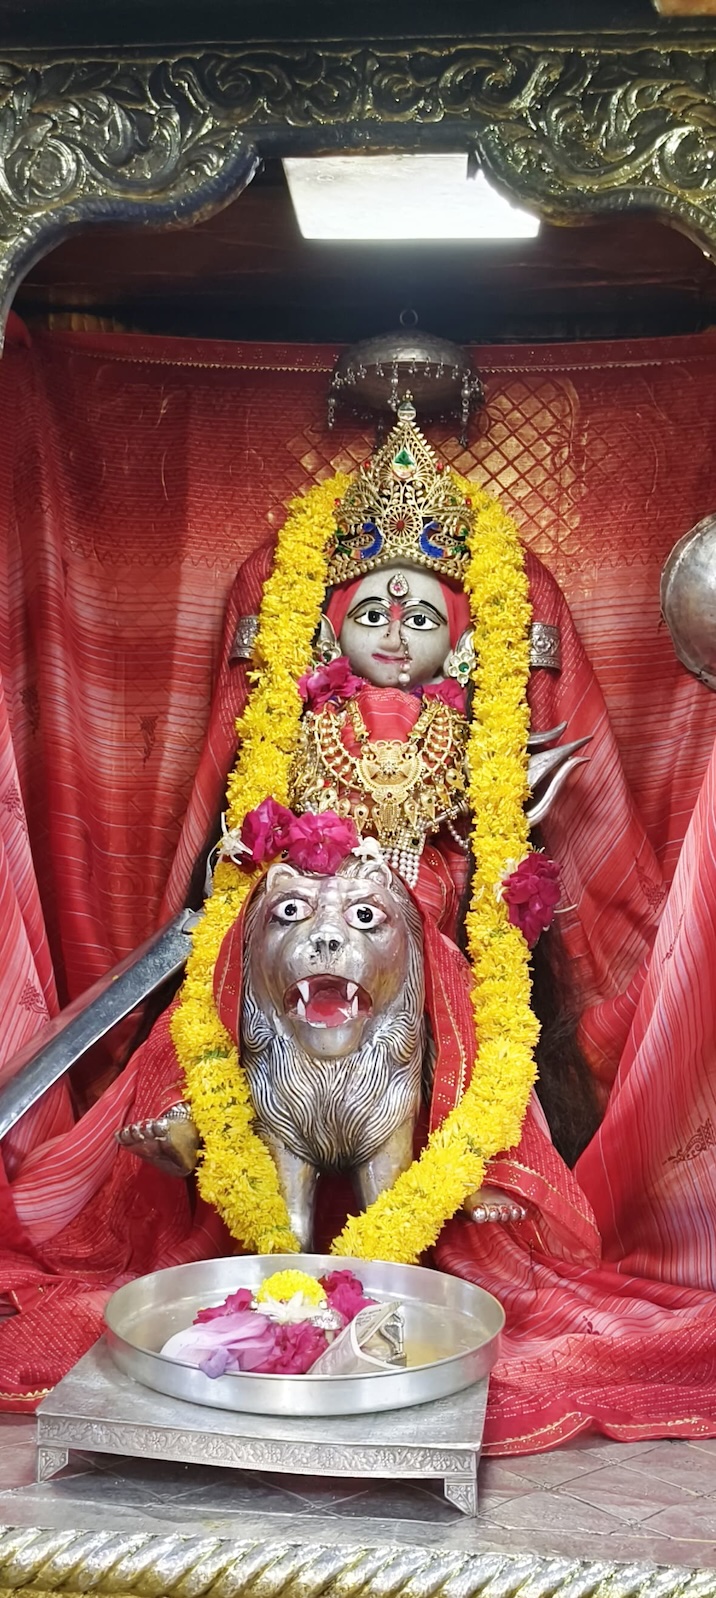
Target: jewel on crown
x: 401, y: 506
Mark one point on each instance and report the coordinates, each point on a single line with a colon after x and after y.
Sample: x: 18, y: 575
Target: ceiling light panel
x: 366, y: 198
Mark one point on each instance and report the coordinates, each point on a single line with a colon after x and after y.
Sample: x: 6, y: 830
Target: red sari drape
x: 137, y: 474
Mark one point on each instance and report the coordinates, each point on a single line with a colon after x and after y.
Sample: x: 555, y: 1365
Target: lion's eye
x: 291, y: 910
x: 365, y: 916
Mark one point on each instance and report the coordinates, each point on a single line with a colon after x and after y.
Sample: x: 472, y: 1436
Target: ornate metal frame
x: 570, y: 127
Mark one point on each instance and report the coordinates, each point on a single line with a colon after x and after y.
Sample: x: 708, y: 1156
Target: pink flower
x: 254, y: 1353
x: 297, y: 1349
x: 239, y: 1300
x: 448, y: 691
x: 345, y: 1294
x: 313, y: 843
x: 531, y: 893
x: 320, y: 842
x: 265, y: 831
x: 334, y: 681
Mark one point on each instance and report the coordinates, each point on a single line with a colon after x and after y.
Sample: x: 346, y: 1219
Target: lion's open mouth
x: 327, y: 1001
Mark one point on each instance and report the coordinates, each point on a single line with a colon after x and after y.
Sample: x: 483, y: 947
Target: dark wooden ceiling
x: 127, y: 22
x: 248, y: 273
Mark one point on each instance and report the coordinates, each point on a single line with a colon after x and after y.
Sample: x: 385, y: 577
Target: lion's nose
x: 324, y: 943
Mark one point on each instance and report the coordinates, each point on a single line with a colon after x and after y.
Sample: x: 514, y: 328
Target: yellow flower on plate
x: 284, y: 1285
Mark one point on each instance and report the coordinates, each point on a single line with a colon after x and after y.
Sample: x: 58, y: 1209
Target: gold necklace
x: 397, y: 791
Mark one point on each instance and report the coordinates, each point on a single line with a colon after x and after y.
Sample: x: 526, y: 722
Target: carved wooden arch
x: 571, y: 127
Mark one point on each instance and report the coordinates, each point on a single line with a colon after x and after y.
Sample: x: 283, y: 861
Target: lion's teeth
x: 304, y: 990
x: 351, y: 989
x: 301, y: 1010
x: 354, y: 1008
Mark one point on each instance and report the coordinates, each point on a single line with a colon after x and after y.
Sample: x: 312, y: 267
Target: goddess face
x: 396, y: 633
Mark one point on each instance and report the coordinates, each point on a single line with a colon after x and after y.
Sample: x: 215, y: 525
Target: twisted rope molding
x: 174, y: 1566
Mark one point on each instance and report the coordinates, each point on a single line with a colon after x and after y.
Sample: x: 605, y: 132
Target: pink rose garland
x: 531, y: 893
x: 265, y: 831
x: 336, y: 681
x: 320, y: 843
x: 311, y: 842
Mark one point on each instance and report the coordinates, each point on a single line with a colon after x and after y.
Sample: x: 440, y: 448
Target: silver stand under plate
x: 96, y: 1409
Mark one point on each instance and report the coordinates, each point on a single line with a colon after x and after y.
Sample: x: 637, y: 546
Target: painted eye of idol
x: 422, y: 621
x: 420, y: 618
x: 371, y: 614
x: 291, y: 910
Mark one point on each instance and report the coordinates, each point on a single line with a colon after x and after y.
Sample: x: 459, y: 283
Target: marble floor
x: 593, y: 1499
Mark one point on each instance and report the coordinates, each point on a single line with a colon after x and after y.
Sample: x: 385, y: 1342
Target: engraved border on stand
x: 252, y: 1453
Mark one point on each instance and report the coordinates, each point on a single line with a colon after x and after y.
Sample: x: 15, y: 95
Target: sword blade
x: 47, y: 1056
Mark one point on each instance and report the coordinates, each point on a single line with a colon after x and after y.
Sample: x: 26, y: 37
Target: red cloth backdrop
x: 137, y: 474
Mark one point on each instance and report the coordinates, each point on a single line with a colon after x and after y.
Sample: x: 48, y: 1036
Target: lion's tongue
x: 327, y: 1005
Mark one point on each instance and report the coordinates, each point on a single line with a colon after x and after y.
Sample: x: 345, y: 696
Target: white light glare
x: 370, y: 197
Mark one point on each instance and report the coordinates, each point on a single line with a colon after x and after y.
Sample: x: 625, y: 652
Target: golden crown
x: 401, y: 506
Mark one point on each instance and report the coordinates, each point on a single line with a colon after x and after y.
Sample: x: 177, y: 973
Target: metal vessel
x: 688, y: 599
x: 452, y: 1336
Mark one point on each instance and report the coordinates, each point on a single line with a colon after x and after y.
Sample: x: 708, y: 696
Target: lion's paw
x: 170, y: 1143
x: 491, y: 1204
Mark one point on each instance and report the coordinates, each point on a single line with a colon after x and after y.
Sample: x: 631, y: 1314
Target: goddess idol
x: 362, y: 995
x: 339, y: 983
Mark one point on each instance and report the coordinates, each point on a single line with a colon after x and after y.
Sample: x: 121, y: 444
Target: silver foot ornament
x: 171, y: 1142
x: 491, y: 1204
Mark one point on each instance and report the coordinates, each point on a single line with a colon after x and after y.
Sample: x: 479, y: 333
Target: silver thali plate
x: 452, y: 1332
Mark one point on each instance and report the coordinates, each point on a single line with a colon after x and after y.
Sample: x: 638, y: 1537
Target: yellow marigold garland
x: 408, y: 1218
x: 237, y: 1175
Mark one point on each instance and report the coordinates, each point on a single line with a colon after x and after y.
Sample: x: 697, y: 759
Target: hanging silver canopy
x: 373, y: 376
